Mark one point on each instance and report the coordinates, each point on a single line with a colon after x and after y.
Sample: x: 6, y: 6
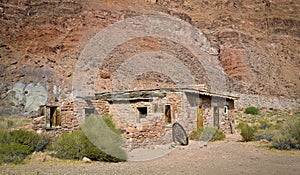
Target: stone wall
x: 69, y: 121
x: 140, y: 132
x: 71, y: 115
x: 145, y: 131
x: 266, y: 102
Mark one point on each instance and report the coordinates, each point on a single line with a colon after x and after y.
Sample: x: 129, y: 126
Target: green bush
x: 13, y: 152
x: 195, y: 134
x: 16, y: 145
x: 98, y: 140
x: 209, y: 133
x: 267, y: 134
x: 110, y: 124
x: 252, y: 110
x: 219, y: 135
x: 247, y: 132
x: 104, y: 136
x: 289, y: 136
x: 76, y: 145
x: 284, y: 142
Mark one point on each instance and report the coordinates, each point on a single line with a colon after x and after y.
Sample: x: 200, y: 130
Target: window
x: 89, y: 111
x: 143, y: 112
x: 168, y: 117
x: 225, y: 109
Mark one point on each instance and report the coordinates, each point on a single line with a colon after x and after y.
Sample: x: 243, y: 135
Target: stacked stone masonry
x: 141, y: 115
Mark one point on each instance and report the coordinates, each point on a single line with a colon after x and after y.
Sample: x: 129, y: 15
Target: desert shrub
x: 289, y: 136
x: 209, y: 134
x: 195, y: 134
x: 283, y: 142
x: 34, y: 141
x: 104, y: 136
x: 247, y: 132
x: 13, y: 152
x: 267, y: 134
x: 252, y: 110
x: 110, y: 124
x: 263, y: 124
x: 16, y: 145
x: 98, y: 140
x: 76, y: 145
x: 219, y: 135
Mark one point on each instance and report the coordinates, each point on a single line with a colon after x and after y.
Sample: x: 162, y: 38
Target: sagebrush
x: 16, y: 145
x: 289, y: 135
x: 209, y: 133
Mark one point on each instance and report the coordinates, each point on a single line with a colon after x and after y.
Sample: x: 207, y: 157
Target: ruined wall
x: 72, y: 113
x: 68, y: 121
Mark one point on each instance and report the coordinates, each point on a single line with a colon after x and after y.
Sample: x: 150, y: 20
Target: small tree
x: 247, y: 132
x: 252, y: 110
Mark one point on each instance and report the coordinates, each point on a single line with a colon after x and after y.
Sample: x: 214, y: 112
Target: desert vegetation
x: 280, y: 130
x: 16, y: 144
x: 207, y: 134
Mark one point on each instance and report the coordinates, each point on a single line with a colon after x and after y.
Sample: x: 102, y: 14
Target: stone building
x: 144, y: 116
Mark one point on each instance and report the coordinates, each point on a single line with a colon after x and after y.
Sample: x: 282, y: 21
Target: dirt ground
x: 226, y: 157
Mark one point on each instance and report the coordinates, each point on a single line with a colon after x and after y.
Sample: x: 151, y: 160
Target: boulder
x: 86, y: 160
x: 36, y: 95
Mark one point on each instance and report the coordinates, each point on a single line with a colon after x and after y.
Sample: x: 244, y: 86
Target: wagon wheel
x: 179, y: 135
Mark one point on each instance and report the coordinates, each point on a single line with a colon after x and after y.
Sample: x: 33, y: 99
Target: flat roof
x: 157, y: 92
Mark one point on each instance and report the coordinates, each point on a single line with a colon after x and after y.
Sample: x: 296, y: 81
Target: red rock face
x: 40, y: 42
x: 233, y: 64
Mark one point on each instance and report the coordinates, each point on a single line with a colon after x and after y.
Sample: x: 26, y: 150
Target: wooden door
x: 216, y: 116
x: 200, y: 117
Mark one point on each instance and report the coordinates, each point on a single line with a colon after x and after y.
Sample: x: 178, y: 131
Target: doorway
x: 168, y: 117
x: 200, y: 117
x: 216, y: 116
x: 54, y: 118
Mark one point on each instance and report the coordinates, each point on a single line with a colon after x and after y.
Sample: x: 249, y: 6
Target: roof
x: 147, y: 94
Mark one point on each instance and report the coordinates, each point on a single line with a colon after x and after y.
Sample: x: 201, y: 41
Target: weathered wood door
x: 216, y: 116
x: 200, y: 117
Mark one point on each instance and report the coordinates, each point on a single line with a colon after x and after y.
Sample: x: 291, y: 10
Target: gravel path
x: 227, y: 157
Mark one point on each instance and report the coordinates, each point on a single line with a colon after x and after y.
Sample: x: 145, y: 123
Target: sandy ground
x: 228, y: 157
